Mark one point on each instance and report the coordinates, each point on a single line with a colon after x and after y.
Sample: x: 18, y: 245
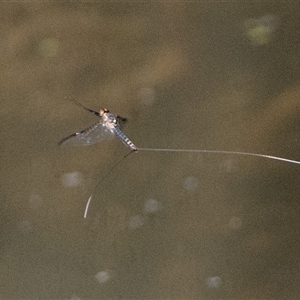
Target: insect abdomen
x: 125, y: 139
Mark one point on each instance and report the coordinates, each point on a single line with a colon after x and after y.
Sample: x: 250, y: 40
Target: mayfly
x: 110, y: 126
x: 106, y: 128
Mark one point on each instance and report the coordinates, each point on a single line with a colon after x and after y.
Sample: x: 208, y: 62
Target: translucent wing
x: 89, y: 136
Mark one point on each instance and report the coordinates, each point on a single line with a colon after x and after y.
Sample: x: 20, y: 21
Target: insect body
x: 112, y: 124
x: 106, y: 128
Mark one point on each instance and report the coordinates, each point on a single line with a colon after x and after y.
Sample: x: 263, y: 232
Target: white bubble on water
x: 103, y: 276
x: 214, y: 282
x: 136, y: 222
x: 191, y: 183
x: 261, y: 31
x: 151, y: 206
x: 72, y: 179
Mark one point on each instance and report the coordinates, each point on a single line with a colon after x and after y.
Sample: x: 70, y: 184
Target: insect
x: 110, y: 126
x: 106, y: 128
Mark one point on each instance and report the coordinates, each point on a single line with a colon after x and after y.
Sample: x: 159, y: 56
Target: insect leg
x: 84, y: 107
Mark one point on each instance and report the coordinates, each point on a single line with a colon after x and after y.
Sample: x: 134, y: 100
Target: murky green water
x: 220, y: 76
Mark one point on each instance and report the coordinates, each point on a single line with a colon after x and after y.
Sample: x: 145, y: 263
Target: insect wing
x: 89, y: 136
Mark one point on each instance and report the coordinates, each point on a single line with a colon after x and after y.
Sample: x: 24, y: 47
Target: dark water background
x: 192, y: 75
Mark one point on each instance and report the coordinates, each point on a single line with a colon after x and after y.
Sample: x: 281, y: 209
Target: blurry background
x: 207, y: 75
